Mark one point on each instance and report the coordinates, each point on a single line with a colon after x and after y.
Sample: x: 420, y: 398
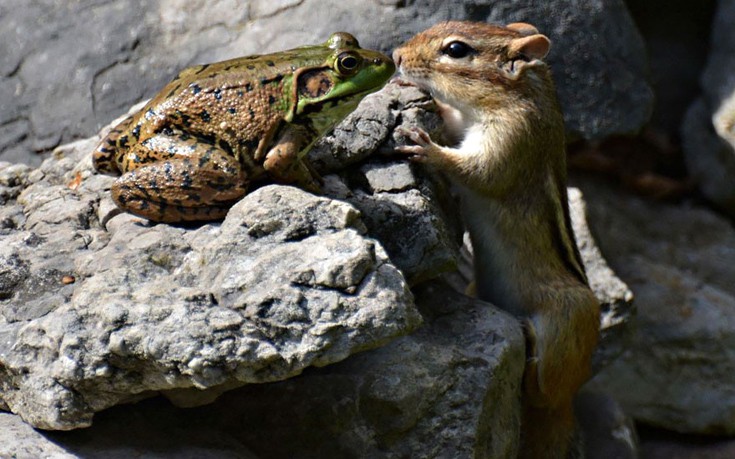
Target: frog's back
x: 238, y: 100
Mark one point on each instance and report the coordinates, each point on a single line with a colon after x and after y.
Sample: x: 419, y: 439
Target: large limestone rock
x: 87, y: 61
x: 287, y: 281
x: 448, y: 390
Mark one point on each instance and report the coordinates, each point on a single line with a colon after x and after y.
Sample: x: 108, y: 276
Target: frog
x: 192, y: 151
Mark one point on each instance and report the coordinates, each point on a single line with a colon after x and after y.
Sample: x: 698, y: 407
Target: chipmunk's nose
x: 397, y: 57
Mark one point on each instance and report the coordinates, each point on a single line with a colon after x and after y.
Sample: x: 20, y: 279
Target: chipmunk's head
x: 460, y: 61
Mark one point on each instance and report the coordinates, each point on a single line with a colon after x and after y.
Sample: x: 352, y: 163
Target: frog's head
x: 331, y: 86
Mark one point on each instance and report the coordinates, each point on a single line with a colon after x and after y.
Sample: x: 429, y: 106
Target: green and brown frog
x: 190, y: 153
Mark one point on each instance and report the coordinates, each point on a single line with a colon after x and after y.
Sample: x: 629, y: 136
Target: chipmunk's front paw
x: 424, y: 150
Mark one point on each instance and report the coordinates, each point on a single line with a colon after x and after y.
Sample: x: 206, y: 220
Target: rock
x: 592, y: 41
x: 658, y: 444
x: 125, y: 51
x: 710, y: 158
x: 18, y: 439
x: 166, y: 441
x: 607, y: 431
x: 403, y: 206
x: 92, y: 318
x: 708, y: 130
x: 616, y: 299
x: 678, y: 261
x: 13, y: 179
x: 372, y: 128
x: 404, y: 210
x: 677, y: 43
x: 448, y: 390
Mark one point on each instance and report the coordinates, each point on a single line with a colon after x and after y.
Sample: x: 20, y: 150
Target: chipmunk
x: 498, y: 100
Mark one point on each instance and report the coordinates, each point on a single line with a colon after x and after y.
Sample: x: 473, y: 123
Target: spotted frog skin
x: 192, y: 151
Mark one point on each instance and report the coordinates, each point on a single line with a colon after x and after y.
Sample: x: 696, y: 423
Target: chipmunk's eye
x: 457, y: 49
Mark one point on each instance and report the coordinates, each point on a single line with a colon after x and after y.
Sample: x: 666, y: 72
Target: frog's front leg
x: 193, y: 181
x: 283, y: 164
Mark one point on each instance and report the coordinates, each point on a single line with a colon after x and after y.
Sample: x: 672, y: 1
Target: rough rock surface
x: 70, y: 74
x: 709, y: 126
x: 448, y: 390
x: 271, y: 291
x: 94, y: 316
x: 681, y: 354
x: 402, y: 206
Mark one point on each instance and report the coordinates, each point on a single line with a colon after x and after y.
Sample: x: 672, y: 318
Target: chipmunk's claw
x: 424, y: 145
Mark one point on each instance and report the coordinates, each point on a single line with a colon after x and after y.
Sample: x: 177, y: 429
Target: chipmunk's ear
x: 534, y: 46
x: 522, y: 28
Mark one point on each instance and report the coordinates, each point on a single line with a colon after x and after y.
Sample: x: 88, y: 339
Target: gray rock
x: 416, y: 236
x: 371, y: 129
x: 389, y: 177
x: 677, y: 44
x: 608, y: 433
x: 592, y: 42
x: 20, y: 440
x: 166, y: 441
x: 616, y: 299
x: 708, y: 130
x: 447, y: 390
x: 66, y: 76
x: 407, y: 211
x: 666, y: 445
x: 404, y: 207
x: 92, y: 318
x: 680, y: 359
x: 13, y: 179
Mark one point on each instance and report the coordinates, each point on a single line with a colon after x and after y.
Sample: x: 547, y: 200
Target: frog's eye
x: 348, y: 63
x: 457, y: 49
